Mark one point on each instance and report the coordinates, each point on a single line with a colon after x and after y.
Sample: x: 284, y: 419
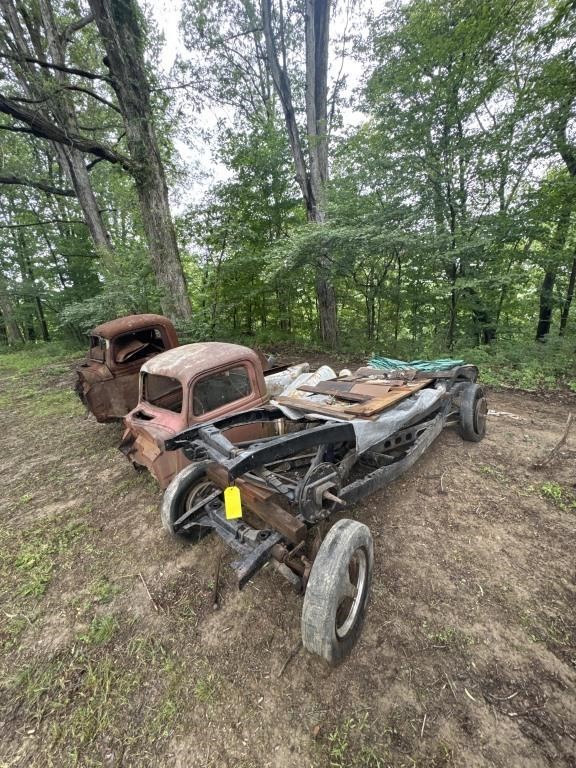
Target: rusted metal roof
x: 130, y: 323
x: 186, y: 362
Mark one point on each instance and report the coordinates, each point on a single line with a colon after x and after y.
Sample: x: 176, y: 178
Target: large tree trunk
x: 312, y: 178
x: 546, y: 305
x: 13, y: 332
x: 568, y: 300
x: 119, y: 27
x: 547, y: 287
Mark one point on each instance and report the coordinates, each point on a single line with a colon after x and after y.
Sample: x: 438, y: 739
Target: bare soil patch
x: 112, y: 654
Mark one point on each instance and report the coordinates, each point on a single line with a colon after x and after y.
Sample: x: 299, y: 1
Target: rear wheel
x: 337, y: 591
x: 187, y: 489
x: 473, y: 413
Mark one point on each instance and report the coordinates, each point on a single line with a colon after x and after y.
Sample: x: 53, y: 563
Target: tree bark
x: 13, y: 332
x: 547, y: 287
x: 119, y: 27
x: 568, y: 300
x: 311, y: 177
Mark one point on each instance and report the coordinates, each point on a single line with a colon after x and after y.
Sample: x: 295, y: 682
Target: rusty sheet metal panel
x: 190, y: 361
x: 108, y: 399
x: 147, y: 427
x: 121, y: 325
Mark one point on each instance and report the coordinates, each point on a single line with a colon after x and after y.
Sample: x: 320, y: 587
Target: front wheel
x: 337, y: 592
x: 185, y: 491
x: 473, y: 413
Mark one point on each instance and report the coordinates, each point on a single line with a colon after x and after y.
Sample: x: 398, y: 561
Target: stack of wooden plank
x: 363, y: 394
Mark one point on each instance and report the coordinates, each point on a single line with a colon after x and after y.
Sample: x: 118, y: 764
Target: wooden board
x: 261, y: 502
x: 319, y: 389
x: 374, y: 390
x: 377, y: 405
x: 309, y: 406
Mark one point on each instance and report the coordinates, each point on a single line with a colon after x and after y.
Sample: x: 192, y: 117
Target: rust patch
x: 107, y: 383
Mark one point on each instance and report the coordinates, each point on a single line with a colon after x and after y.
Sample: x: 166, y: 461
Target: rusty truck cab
x: 108, y: 380
x: 189, y: 385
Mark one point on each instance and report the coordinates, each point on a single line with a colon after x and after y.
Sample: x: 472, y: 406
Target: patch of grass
x: 101, y: 630
x: 447, y: 637
x: 34, y: 553
x: 553, y: 630
x: 558, y: 495
x: 494, y: 472
x: 57, y: 402
x: 31, y: 357
x: 12, y: 629
x: 102, y: 590
x: 206, y: 688
x: 349, y: 747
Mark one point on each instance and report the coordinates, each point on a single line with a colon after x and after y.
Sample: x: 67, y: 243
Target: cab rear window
x: 138, y: 344
x: 163, y: 392
x: 219, y: 389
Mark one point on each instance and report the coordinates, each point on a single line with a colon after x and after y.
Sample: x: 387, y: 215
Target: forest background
x: 263, y: 191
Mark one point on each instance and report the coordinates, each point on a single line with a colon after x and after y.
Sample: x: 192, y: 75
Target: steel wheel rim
x: 198, y: 492
x: 481, y: 412
x: 342, y: 629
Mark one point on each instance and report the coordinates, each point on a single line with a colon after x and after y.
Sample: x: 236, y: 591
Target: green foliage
x: 528, y: 365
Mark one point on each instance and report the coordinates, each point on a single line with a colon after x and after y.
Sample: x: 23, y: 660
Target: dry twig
x: 148, y: 592
x: 545, y: 460
x: 292, y: 654
x: 215, y: 603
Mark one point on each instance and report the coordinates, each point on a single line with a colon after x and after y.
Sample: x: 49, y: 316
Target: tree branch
x: 46, y: 129
x: 78, y: 88
x: 44, y: 186
x: 77, y: 25
x: 58, y: 67
x: 43, y: 223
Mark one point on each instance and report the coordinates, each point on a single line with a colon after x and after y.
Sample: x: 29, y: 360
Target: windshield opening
x: 97, y: 348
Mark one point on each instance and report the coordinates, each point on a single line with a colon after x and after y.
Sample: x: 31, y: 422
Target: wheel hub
x: 321, y: 482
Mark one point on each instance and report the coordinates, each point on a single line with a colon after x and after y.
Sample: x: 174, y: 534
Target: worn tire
x: 332, y: 619
x: 176, y: 497
x: 473, y: 413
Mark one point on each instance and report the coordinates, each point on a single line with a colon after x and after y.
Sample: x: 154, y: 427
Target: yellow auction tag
x: 232, y: 502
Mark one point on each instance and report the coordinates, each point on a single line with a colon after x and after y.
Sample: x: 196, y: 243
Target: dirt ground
x: 113, y: 656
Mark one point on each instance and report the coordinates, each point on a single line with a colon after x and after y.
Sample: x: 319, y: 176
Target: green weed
x: 102, y: 590
x: 558, y: 495
x: 348, y: 745
x: 447, y: 637
x: 101, y: 630
x: 39, y: 549
x: 206, y: 688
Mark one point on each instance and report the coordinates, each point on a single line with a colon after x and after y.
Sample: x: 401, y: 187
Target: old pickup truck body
x: 185, y: 387
x: 107, y: 382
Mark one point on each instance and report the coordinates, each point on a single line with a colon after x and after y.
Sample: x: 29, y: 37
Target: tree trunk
x: 546, y: 305
x: 312, y: 178
x: 70, y: 159
x: 568, y: 300
x: 13, y: 332
x: 547, y: 288
x: 119, y: 25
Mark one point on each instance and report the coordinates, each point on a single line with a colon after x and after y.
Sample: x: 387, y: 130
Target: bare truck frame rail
x: 292, y: 474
